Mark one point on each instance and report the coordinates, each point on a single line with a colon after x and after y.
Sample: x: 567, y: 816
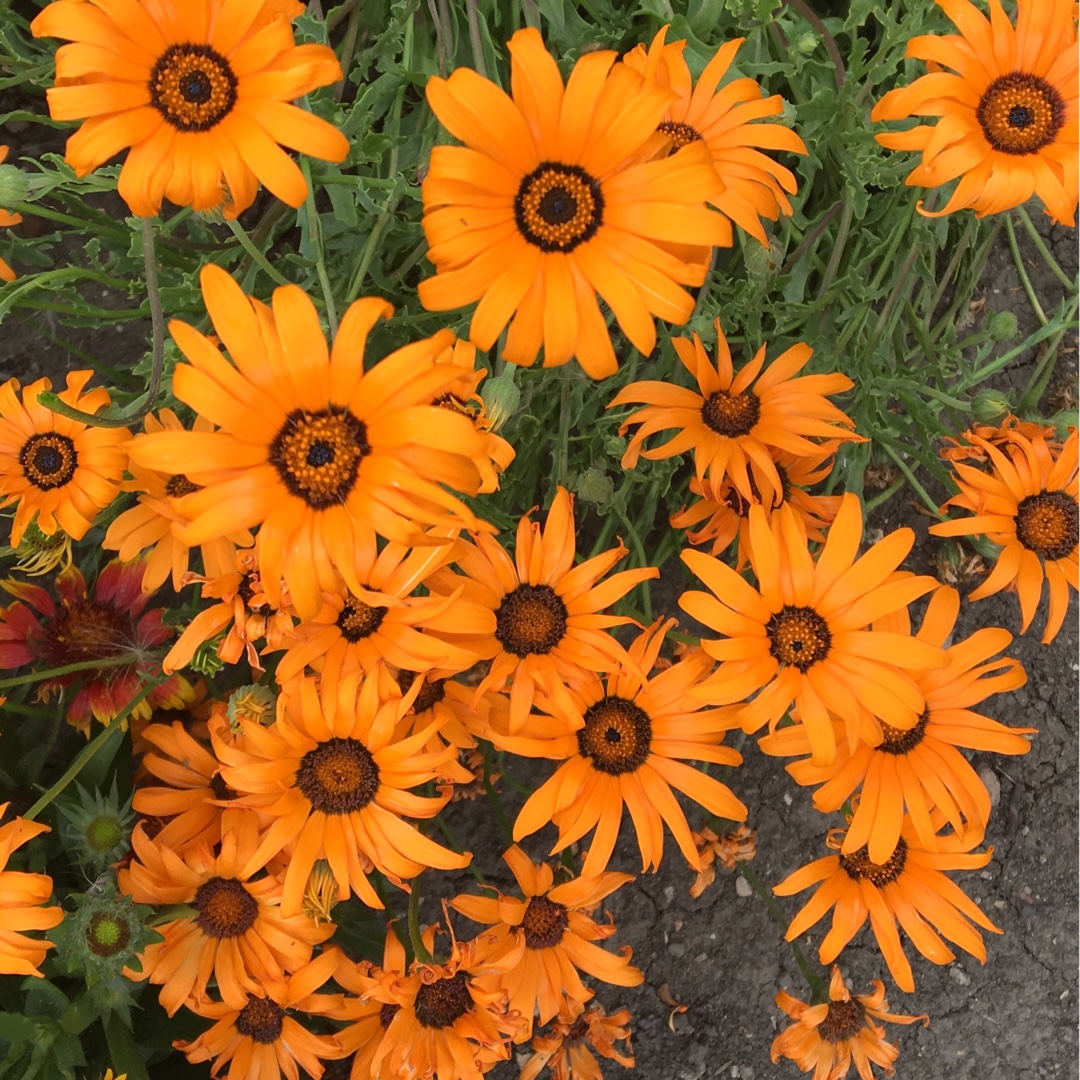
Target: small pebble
x: 743, y: 887
x: 960, y: 975
x: 992, y: 783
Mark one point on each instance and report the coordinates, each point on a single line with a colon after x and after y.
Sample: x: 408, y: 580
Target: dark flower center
x: 544, y: 923
x: 843, y: 1021
x: 1049, y: 524
x: 359, y: 620
x: 226, y: 909
x: 338, y: 777
x: 178, y: 485
x: 387, y: 1014
x: 1020, y: 113
x: 431, y: 693
x: 85, y: 632
x: 455, y: 404
x: 898, y: 741
x: 220, y: 789
x: 260, y: 1020
x: 193, y: 87
x: 798, y: 636
x: 617, y: 736
x: 440, y: 1003
x: 107, y: 935
x: 530, y: 620
x: 558, y: 207
x: 318, y: 455
x: 680, y: 134
x: 48, y: 460
x: 857, y: 865
x: 731, y: 414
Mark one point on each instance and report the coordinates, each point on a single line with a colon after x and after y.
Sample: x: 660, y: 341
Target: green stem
x: 474, y: 39
x: 1010, y: 231
x: 52, y: 401
x: 253, y: 253
x: 838, y: 244
x: 35, y: 210
x: 817, y: 983
x: 372, y: 244
x: 1040, y: 375
x: 882, y: 497
x: 84, y: 756
x: 67, y: 669
x: 493, y: 798
x: 1044, y: 251
x: 415, y: 937
x: 315, y: 231
x: 903, y: 467
x: 440, y: 37
x: 562, y: 463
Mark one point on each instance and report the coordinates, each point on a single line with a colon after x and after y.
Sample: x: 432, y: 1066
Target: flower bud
x: 501, y: 399
x: 1002, y: 326
x: 14, y: 186
x: 255, y: 702
x: 806, y: 43
x: 97, y: 829
x: 990, y: 406
x: 595, y: 486
x: 1065, y: 422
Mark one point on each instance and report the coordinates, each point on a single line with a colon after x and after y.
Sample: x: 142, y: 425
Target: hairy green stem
x: 314, y: 224
x: 67, y: 669
x: 85, y: 755
x: 911, y: 479
x: 474, y: 39
x: 1010, y: 231
x: 52, y: 401
x: 416, y: 938
x: 253, y: 253
x: 1044, y: 251
x: 811, y: 16
x: 493, y: 798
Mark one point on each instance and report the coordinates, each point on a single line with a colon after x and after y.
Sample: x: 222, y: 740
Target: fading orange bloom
x: 461, y: 396
x: 22, y: 897
x: 60, y: 472
x: 909, y: 888
x: 556, y: 925
x: 739, y: 845
x: 263, y: 1039
x: 334, y: 781
x: 149, y: 524
x: 754, y: 186
x: 549, y: 627
x: 1027, y: 503
x: 920, y: 768
x: 243, y: 608
x: 727, y: 514
x: 803, y: 634
x: 964, y: 447
x: 828, y: 1037
x: 568, y: 1050
x: 734, y: 421
x: 636, y: 730
x: 1008, y: 124
x: 235, y: 933
x: 7, y: 219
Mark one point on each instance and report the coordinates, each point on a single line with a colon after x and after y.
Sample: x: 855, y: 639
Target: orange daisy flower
x: 566, y: 1050
x: 920, y: 768
x: 194, y: 793
x: 829, y: 1036
x: 333, y: 781
x: 198, y: 89
x: 803, y: 634
x: 1009, y: 115
x: 553, y: 200
x: 558, y: 930
x: 1027, y: 503
x: 236, y: 932
x: 60, y: 470
x: 908, y: 888
x: 385, y: 622
x: 727, y: 516
x: 243, y: 612
x: 7, y: 219
x: 755, y: 186
x: 548, y: 622
x: 962, y: 448
x: 739, y: 845
x: 451, y: 1020
x: 22, y: 897
x: 461, y: 396
x: 635, y: 731
x: 263, y: 1039
x: 149, y: 524
x: 317, y: 453
x: 733, y: 423
x: 111, y: 623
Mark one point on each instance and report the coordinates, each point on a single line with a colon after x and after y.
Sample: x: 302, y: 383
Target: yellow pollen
x: 318, y: 455
x: 1047, y: 524
x: 193, y: 87
x: 558, y: 207
x: 48, y: 460
x: 680, y: 134
x: 799, y: 636
x: 731, y: 414
x: 1020, y: 113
